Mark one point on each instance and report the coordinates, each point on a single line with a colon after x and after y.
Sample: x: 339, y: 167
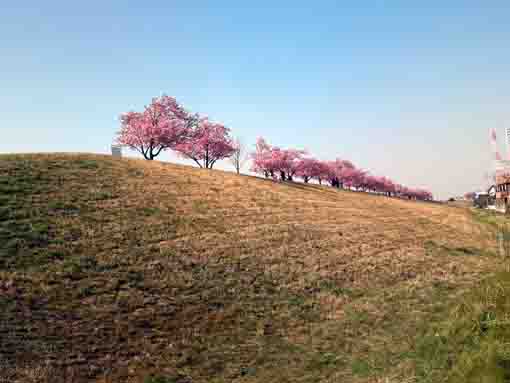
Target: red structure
x: 502, y: 190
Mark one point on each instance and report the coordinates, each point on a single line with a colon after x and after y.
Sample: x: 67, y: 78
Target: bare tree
x: 239, y: 156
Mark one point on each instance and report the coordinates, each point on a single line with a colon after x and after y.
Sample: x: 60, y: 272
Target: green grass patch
x: 472, y: 343
x: 102, y: 195
x: 303, y: 307
x: 5, y: 213
x: 321, y: 361
x: 357, y: 317
x: 333, y: 288
x: 76, y: 265
x: 87, y: 164
x: 150, y: 211
x: 435, y: 249
x: 160, y: 379
x: 361, y: 368
x: 16, y: 188
x: 24, y: 244
x: 200, y: 207
x: 492, y: 219
x: 60, y: 205
x: 135, y: 173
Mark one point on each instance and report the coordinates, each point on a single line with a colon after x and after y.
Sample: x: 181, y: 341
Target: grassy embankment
x: 126, y: 270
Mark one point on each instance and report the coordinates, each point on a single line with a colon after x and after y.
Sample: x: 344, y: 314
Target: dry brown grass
x: 113, y: 270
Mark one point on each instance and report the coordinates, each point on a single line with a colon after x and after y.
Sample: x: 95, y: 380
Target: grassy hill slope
x: 119, y: 270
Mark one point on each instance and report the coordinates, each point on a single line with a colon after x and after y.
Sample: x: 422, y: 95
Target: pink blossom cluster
x: 285, y: 164
x: 164, y: 124
x: 208, y: 143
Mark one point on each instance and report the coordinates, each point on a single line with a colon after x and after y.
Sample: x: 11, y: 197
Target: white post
x: 117, y: 151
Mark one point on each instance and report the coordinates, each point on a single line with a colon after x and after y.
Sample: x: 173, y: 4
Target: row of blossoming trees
x: 287, y: 164
x: 164, y: 124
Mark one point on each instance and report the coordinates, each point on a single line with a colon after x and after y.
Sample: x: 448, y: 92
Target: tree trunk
x: 197, y: 162
x: 151, y: 151
x: 211, y: 163
x: 148, y: 155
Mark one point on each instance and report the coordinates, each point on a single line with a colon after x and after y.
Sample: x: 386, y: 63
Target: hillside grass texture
x: 135, y: 271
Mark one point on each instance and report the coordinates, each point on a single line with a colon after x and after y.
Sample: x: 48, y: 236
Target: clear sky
x: 405, y: 90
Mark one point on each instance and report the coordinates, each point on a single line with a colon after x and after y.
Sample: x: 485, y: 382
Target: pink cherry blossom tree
x: 387, y: 186
x: 339, y: 171
x: 321, y: 171
x: 262, y: 161
x: 287, y: 162
x: 354, y: 178
x: 208, y: 143
x: 333, y: 173
x: 162, y: 125
x: 398, y: 190
x: 373, y: 183
x: 308, y: 168
x: 273, y: 161
x: 423, y: 195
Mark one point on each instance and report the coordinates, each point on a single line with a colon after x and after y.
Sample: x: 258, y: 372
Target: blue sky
x: 408, y: 91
